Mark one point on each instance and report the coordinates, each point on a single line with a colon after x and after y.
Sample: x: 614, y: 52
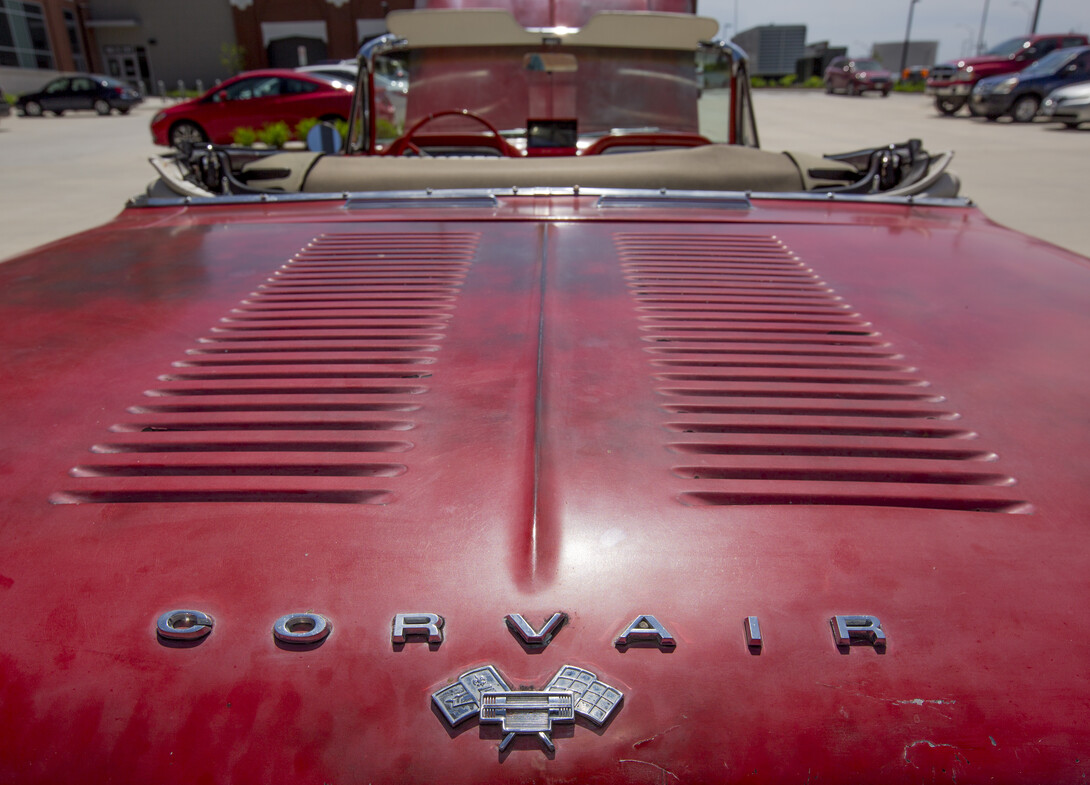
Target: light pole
x: 908, y: 35
x: 1036, y: 16
x: 983, y: 21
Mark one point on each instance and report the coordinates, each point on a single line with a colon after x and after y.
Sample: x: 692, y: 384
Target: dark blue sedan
x: 101, y: 94
x: 1020, y: 95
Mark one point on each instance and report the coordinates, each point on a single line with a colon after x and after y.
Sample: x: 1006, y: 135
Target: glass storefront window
x: 74, y: 41
x: 24, y: 41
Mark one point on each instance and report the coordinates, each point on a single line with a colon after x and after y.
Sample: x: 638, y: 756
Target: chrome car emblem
x: 572, y: 691
x: 868, y: 629
x: 529, y: 635
x: 754, y: 640
x: 302, y: 628
x: 646, y: 629
x: 418, y: 625
x: 182, y: 625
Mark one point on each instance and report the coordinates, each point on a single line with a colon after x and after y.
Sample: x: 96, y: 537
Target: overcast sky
x: 856, y: 24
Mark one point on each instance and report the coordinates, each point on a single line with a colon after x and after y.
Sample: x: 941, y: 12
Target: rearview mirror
x: 550, y: 62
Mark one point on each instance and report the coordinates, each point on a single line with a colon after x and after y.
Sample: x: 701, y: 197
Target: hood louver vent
x: 304, y: 393
x: 777, y: 392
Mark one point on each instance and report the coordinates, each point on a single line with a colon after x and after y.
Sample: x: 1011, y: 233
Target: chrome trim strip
x: 488, y: 197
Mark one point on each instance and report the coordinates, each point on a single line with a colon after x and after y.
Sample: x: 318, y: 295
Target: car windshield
x: 1010, y: 47
x: 609, y: 89
x: 1050, y: 63
x: 867, y: 65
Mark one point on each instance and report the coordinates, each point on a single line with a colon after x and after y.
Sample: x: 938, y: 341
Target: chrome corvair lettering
x: 645, y: 629
x: 531, y: 637
x: 754, y: 640
x: 184, y: 625
x: 408, y: 625
x: 858, y: 628
x: 302, y: 628
x: 309, y: 628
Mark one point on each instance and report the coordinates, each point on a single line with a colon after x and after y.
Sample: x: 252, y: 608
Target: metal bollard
x: 200, y: 87
x: 142, y: 88
x: 181, y: 90
x: 162, y: 90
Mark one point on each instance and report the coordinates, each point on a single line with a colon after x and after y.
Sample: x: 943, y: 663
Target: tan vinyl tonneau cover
x: 706, y: 168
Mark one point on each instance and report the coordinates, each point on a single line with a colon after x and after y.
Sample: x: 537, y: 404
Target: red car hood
x: 793, y: 412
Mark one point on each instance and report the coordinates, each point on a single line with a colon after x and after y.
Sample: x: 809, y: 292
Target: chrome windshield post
x: 361, y: 123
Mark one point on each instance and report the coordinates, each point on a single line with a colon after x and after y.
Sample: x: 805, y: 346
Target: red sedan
x: 251, y: 100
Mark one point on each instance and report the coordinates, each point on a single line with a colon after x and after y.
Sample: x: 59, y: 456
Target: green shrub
x: 302, y: 128
x: 814, y: 81
x: 787, y: 81
x: 342, y: 127
x: 10, y: 98
x: 244, y: 137
x: 274, y: 134
x: 758, y: 81
x: 910, y: 87
x: 384, y: 129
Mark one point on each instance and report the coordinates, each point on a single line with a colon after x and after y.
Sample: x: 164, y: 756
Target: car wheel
x: 828, y: 88
x: 124, y: 110
x: 1025, y: 108
x: 102, y: 106
x: 185, y: 132
x: 1071, y: 126
x: 947, y: 105
x: 991, y: 118
x: 32, y: 109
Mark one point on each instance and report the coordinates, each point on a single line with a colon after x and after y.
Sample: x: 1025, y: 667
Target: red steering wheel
x: 407, y: 141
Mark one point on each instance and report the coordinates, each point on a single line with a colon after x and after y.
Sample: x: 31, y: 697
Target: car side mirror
x: 220, y: 96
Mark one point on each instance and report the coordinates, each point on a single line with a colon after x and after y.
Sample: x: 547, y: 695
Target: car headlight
x: 1006, y: 85
x: 861, y: 75
x: 159, y: 118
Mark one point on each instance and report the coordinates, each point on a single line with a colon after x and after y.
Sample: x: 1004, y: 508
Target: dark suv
x: 856, y: 75
x: 952, y: 83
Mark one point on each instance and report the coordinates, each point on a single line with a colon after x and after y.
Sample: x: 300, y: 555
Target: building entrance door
x: 129, y: 64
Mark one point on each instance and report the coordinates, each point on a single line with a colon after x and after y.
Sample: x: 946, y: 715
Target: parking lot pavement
x: 62, y: 175
x: 1034, y: 177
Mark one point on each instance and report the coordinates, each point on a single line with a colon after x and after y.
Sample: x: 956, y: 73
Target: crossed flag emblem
x: 482, y: 691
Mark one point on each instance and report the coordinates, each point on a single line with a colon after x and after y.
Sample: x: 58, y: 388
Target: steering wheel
x: 407, y: 141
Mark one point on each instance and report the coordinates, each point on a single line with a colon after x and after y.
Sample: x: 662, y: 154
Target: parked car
x: 1020, y: 95
x: 952, y: 83
x: 251, y: 100
x: 857, y: 75
x: 76, y: 92
x: 1068, y: 105
x: 5, y: 107
x: 389, y: 95
x: 622, y: 456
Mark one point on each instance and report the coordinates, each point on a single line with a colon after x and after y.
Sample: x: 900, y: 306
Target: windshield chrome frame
x: 361, y: 122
